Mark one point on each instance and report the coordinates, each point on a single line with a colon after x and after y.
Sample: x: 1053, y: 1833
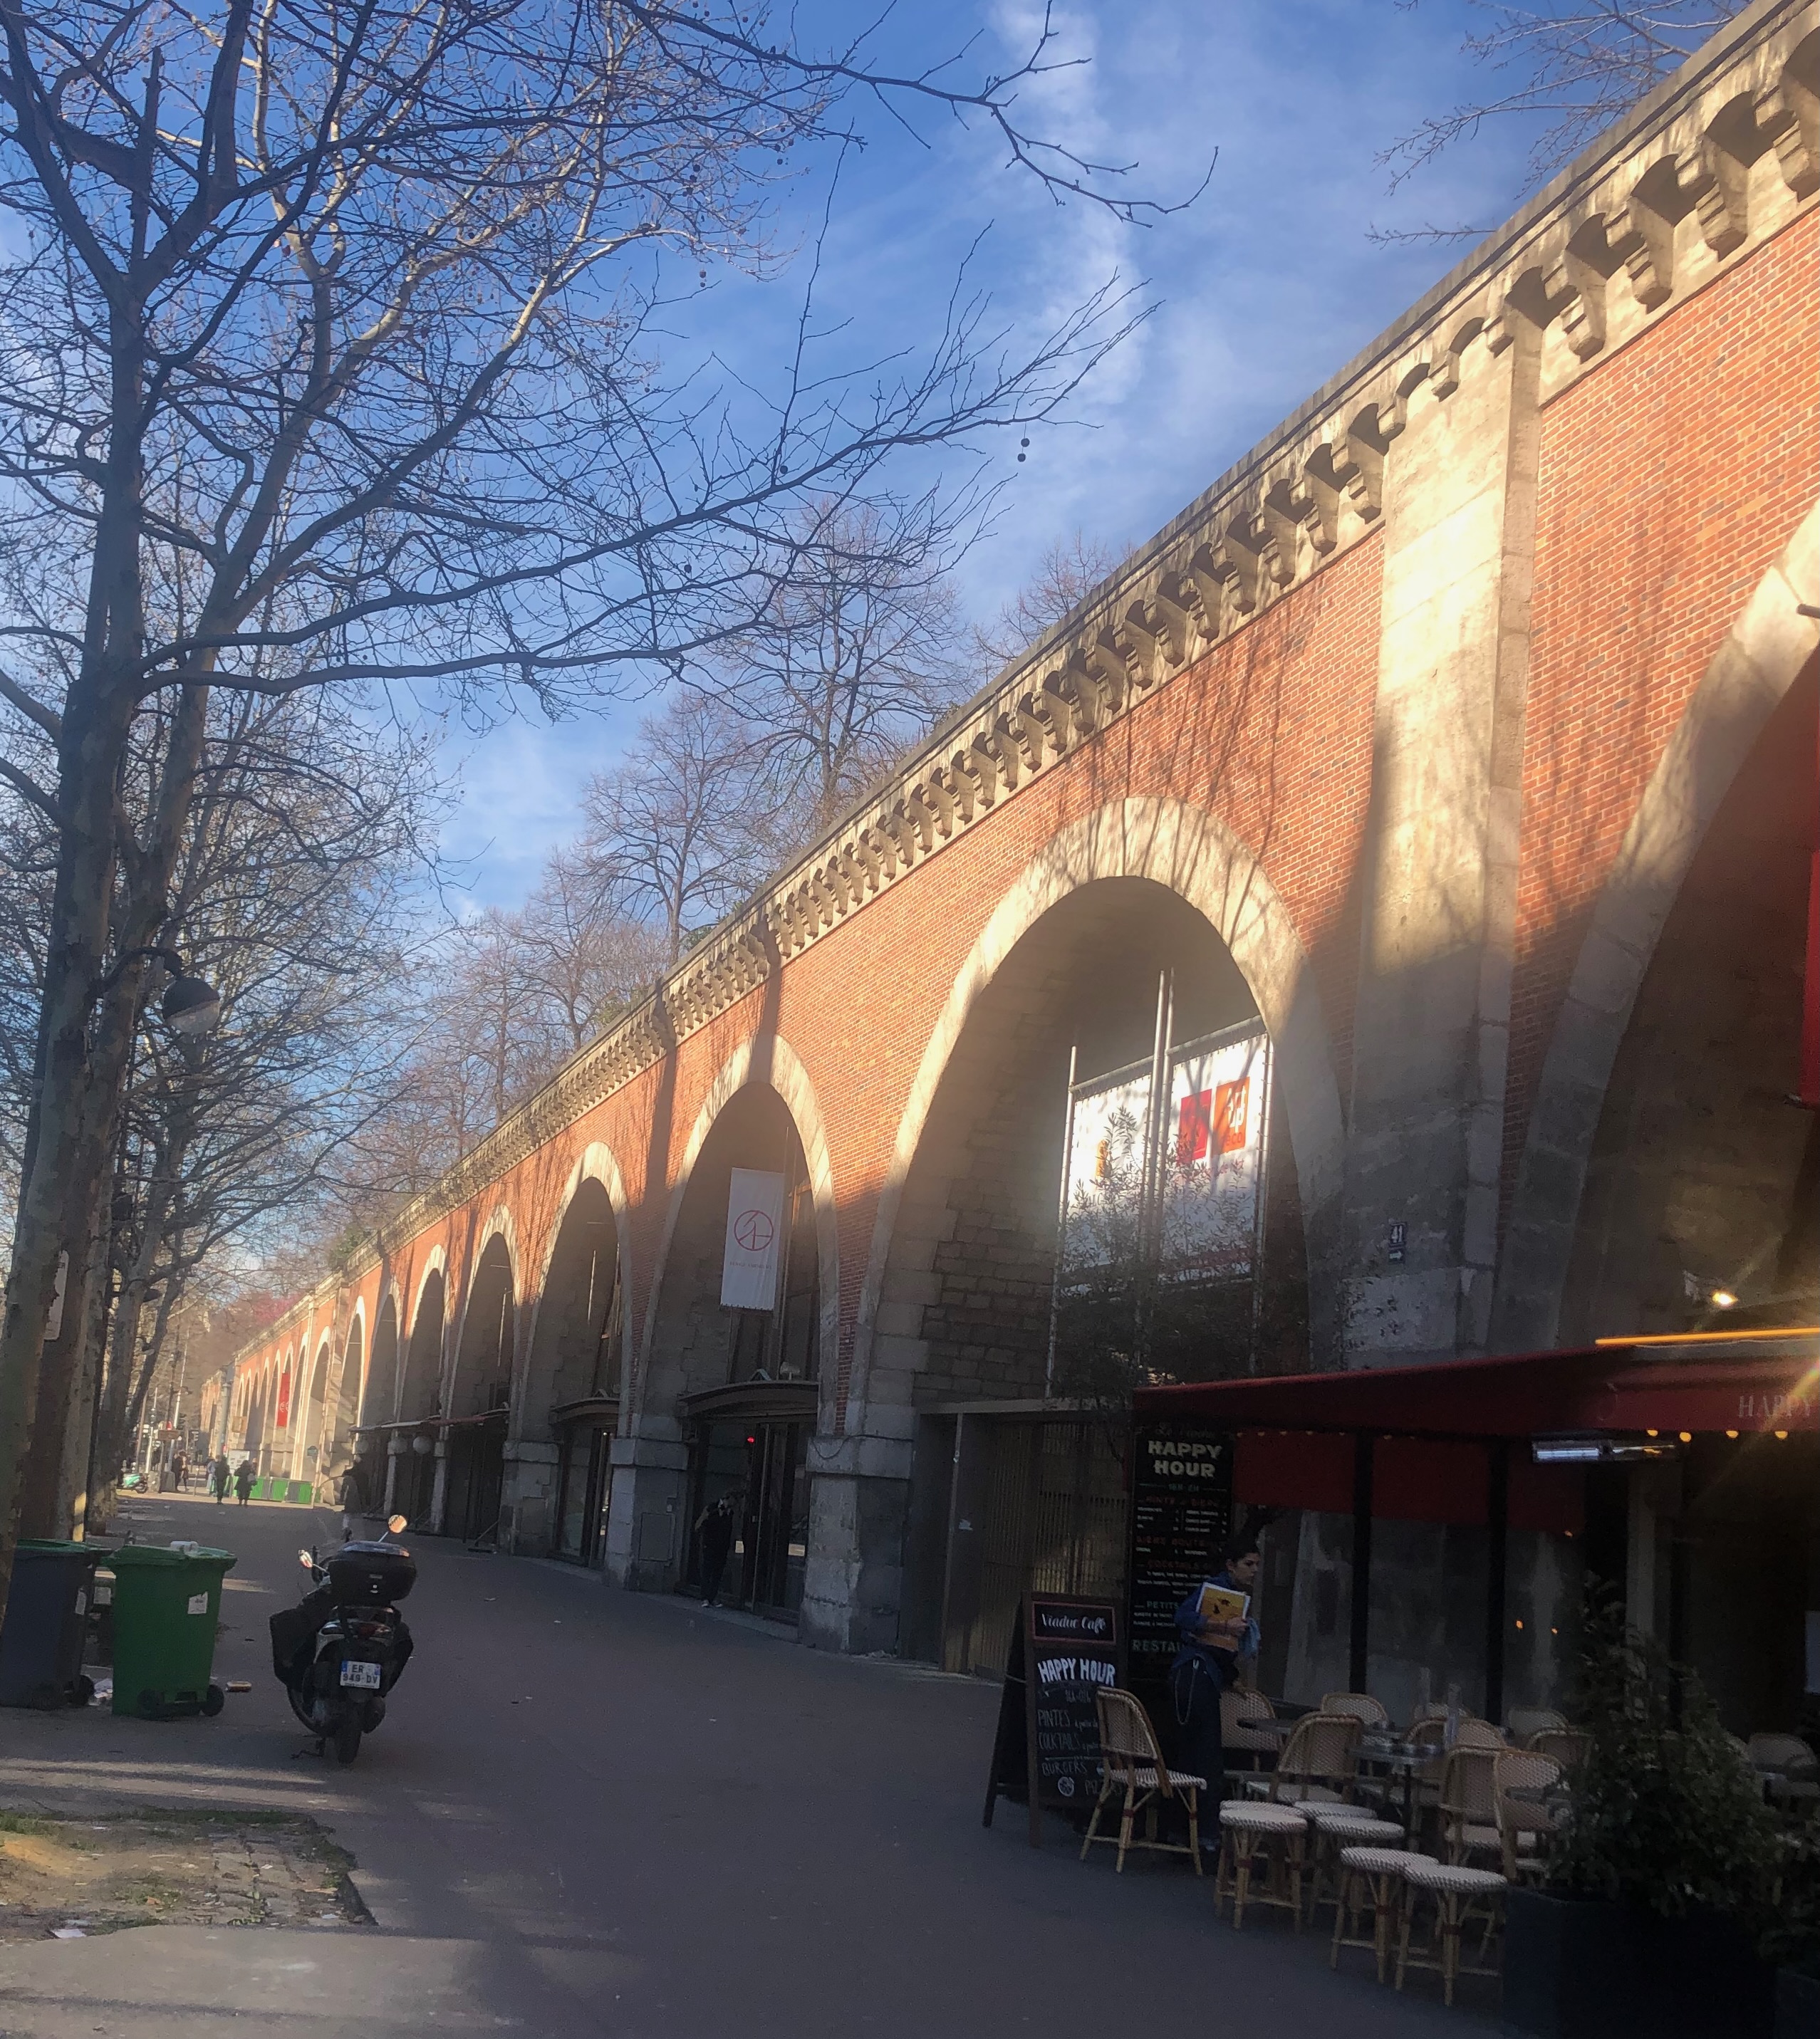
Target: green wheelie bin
x: 166, y: 1603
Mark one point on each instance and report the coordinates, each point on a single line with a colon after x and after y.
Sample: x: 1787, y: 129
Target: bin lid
x: 56, y: 1547
x: 152, y: 1555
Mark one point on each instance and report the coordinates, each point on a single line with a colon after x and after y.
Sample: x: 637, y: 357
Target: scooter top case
x: 371, y: 1574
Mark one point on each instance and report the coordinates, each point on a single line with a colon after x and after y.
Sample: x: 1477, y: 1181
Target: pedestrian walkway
x: 591, y: 1813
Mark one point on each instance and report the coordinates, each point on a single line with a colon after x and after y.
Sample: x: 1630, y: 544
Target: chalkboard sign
x: 1046, y: 1752
x: 1181, y: 1516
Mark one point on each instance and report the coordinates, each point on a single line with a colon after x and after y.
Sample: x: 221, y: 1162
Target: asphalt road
x: 595, y: 1813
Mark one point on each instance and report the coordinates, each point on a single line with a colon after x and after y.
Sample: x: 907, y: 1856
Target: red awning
x: 1741, y: 1384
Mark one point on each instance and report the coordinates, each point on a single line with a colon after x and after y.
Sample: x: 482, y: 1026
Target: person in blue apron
x: 1213, y: 1655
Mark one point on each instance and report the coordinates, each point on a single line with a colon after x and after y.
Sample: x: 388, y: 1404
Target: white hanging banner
x: 1214, y: 1159
x: 754, y: 1223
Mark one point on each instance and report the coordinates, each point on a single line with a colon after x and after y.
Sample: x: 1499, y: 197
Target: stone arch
x: 420, y: 1372
x: 342, y: 1414
x: 766, y: 1060
x: 379, y: 1389
x: 309, y: 1410
x: 1762, y: 657
x: 1190, y: 852
x: 595, y: 1185
x: 486, y: 1343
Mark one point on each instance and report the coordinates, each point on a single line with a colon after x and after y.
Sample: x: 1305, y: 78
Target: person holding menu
x: 1219, y: 1643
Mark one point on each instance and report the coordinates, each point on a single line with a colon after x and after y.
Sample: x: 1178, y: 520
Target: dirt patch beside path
x: 68, y: 1877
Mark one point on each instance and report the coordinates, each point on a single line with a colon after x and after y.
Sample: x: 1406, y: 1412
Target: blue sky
x: 1264, y: 287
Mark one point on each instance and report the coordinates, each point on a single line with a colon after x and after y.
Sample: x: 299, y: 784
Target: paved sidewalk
x: 594, y: 1813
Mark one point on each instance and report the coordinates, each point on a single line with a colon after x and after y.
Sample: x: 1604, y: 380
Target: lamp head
x: 190, y: 1007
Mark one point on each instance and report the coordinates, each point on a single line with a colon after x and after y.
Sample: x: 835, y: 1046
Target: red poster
x: 1194, y: 1121
x: 1232, y: 1103
x: 1202, y: 1114
x: 284, y: 1401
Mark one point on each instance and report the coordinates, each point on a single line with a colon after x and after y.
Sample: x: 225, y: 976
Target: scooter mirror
x: 306, y: 1559
x: 397, y: 1524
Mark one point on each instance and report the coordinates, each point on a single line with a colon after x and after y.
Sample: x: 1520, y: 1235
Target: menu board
x: 1046, y: 1752
x: 1181, y: 1516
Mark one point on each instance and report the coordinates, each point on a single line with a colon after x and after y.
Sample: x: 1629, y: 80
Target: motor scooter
x: 341, y: 1651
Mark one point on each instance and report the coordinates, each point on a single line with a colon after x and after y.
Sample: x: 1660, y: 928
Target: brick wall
x: 1670, y: 477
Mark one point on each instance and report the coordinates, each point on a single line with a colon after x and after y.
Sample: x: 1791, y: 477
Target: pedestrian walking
x: 220, y: 1479
x: 352, y: 1496
x: 714, y: 1540
x: 243, y: 1482
x: 180, y: 1472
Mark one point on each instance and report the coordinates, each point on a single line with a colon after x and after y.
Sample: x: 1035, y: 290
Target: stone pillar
x: 1431, y: 1037
x: 646, y: 1535
x: 853, y: 1579
x: 527, y: 1500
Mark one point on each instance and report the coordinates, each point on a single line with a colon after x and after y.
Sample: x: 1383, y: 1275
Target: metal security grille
x: 1053, y: 1520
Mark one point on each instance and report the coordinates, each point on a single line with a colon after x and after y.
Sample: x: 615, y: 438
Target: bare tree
x: 1576, y: 64
x: 583, y: 964
x: 288, y: 891
x: 1068, y: 572
x: 853, y: 659
x: 684, y: 826
x: 333, y: 334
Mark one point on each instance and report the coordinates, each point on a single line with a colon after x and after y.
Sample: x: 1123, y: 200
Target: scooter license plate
x: 363, y: 1677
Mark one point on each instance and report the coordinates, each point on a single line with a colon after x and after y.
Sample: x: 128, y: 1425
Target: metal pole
x: 1150, y: 1203
x: 1498, y: 1540
x: 1358, y: 1670
x: 1061, y: 1223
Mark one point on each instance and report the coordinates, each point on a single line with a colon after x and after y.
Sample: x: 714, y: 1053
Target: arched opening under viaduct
x: 311, y: 1463
x: 735, y: 1356
x: 479, y: 1396
x: 569, y: 1409
x: 1704, y: 1177
x: 379, y: 1391
x: 336, y: 1440
x: 411, y: 1486
x: 1015, y: 1365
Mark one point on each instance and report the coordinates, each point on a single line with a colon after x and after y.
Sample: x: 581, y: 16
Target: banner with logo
x: 754, y: 1223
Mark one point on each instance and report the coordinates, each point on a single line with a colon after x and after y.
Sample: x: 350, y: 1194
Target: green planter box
x: 1578, y: 1969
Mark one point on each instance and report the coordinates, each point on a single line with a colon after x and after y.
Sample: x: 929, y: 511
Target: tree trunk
x: 65, y: 1162
x: 72, y: 1499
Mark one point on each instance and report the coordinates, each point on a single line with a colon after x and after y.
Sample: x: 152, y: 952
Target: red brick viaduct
x: 1464, y: 730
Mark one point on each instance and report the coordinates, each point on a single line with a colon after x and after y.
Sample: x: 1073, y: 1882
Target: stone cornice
x: 1717, y: 159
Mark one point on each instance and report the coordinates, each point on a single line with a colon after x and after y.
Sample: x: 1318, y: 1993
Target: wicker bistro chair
x: 1331, y: 1830
x: 1524, y: 1822
x: 1524, y: 1722
x: 1459, y: 1895
x: 1473, y: 1732
x: 1320, y: 1761
x: 1567, y: 1745
x: 1362, y: 1706
x: 1470, y: 1804
x: 1263, y: 1852
x: 1373, y: 1879
x: 1130, y: 1761
x: 1238, y: 1712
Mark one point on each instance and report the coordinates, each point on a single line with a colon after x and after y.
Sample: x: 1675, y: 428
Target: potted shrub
x: 1658, y: 1889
